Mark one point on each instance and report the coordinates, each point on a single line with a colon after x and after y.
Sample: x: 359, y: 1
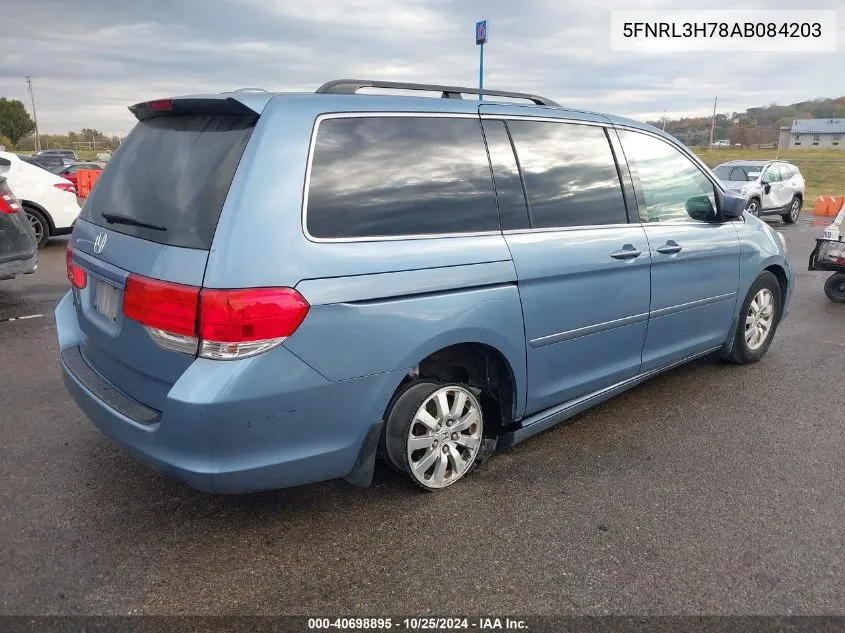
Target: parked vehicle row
x: 771, y: 187
x: 48, y: 200
x: 272, y: 289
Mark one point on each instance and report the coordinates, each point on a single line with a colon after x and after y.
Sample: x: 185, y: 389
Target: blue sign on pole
x: 481, y: 32
x: 481, y: 40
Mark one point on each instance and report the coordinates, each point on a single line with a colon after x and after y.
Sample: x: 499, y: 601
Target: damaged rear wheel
x: 434, y: 433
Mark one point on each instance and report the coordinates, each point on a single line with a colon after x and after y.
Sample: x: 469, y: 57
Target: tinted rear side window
x: 172, y: 172
x: 570, y: 174
x: 395, y: 176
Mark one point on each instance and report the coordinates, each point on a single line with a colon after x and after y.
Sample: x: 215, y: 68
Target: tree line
x: 17, y: 132
x: 755, y: 126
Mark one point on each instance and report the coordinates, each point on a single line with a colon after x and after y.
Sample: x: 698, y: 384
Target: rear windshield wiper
x: 116, y: 218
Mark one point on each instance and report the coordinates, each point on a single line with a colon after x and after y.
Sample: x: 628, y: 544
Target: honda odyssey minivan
x: 274, y: 289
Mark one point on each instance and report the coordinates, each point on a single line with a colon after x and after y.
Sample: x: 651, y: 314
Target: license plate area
x: 106, y: 299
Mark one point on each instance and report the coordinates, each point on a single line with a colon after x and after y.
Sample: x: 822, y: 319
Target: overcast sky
x: 91, y: 60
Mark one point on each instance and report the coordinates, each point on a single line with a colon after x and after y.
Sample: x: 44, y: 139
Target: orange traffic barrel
x: 828, y: 205
x: 85, y: 179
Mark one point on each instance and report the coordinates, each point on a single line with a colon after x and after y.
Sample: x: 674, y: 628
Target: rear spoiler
x: 227, y: 103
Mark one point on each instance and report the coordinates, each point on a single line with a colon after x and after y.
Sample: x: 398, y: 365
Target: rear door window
x: 170, y: 177
x: 570, y: 174
x: 399, y: 176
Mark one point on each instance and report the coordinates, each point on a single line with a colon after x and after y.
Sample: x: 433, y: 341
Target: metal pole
x: 664, y: 120
x: 34, y: 116
x: 713, y: 121
x: 481, y: 73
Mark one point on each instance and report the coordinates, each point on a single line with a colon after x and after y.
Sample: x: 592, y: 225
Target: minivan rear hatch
x: 150, y: 218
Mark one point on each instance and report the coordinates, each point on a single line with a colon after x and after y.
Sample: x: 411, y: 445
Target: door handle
x: 670, y: 248
x: 627, y: 252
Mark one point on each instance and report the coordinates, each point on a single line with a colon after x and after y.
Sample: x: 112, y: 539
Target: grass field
x: 823, y: 170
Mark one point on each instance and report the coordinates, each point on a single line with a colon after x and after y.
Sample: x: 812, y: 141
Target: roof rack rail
x: 351, y: 86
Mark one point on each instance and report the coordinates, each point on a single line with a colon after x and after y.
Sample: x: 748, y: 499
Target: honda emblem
x: 100, y: 243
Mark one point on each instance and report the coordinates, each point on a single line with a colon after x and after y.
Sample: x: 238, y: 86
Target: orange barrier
x: 85, y: 179
x: 828, y: 205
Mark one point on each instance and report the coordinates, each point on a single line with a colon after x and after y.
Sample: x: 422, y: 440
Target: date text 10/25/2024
x: 417, y: 624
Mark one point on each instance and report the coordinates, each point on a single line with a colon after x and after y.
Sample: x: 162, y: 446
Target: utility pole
x: 713, y: 121
x: 664, y: 120
x: 34, y: 116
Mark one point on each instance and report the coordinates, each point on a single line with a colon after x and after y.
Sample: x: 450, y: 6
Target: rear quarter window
x: 399, y: 176
x: 171, y: 172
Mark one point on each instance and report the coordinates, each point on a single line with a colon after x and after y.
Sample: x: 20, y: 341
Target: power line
x: 34, y: 116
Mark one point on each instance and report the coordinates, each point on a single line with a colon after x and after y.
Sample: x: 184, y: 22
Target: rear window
x: 171, y: 174
x: 400, y: 176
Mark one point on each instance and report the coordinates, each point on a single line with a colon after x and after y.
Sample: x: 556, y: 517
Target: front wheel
x: 434, y: 433
x: 753, y: 207
x: 794, y: 211
x: 758, y: 320
x: 834, y: 288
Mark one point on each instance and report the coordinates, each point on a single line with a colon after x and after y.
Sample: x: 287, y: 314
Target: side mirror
x: 731, y: 206
x: 767, y: 187
x: 700, y: 208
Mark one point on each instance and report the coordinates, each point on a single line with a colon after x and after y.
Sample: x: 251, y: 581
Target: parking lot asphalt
x: 712, y: 489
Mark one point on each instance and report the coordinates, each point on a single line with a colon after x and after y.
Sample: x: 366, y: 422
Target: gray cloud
x: 91, y: 61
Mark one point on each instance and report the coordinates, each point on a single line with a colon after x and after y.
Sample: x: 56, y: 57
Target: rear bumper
x: 63, y: 212
x: 242, y: 426
x: 15, y: 267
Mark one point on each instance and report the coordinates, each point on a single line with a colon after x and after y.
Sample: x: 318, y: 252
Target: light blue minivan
x: 276, y: 289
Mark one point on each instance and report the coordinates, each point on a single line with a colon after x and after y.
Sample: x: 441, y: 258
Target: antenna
x: 28, y: 80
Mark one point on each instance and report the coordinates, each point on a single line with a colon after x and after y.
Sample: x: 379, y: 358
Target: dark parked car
x: 65, y: 153
x: 18, y: 251
x: 50, y: 162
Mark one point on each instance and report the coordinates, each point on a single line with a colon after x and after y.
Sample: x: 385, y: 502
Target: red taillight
x: 8, y: 202
x: 160, y: 104
x: 256, y: 314
x: 219, y: 324
x: 161, y: 305
x: 65, y: 186
x: 75, y: 275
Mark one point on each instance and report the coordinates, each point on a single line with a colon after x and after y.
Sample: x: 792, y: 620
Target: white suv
x: 771, y: 187
x: 49, y: 200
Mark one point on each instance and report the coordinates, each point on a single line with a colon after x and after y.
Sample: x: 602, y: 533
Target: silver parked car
x: 771, y: 187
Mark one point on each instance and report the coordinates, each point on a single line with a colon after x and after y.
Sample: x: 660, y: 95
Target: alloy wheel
x: 795, y: 210
x: 36, y: 225
x: 759, y: 320
x: 444, y: 437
